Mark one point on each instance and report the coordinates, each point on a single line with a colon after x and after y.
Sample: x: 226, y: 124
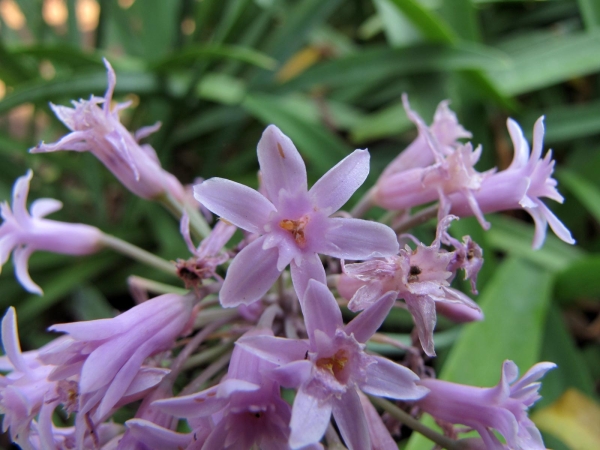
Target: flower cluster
x: 279, y: 362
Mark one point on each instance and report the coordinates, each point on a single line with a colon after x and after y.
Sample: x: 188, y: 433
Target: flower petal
x: 252, y: 272
x: 359, y: 239
x: 21, y: 258
x: 310, y: 418
x: 336, y: 187
x: 321, y: 311
x: 239, y: 204
x: 367, y: 323
x: 388, y: 379
x: 293, y: 374
x: 422, y: 309
x: 10, y: 341
x: 273, y: 349
x: 281, y: 165
x: 154, y: 436
x: 310, y: 268
x: 201, y: 404
x: 19, y: 201
x: 44, y: 206
x: 350, y: 419
x: 557, y: 226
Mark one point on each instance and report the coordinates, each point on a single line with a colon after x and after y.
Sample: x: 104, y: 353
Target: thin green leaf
x: 384, y: 62
x: 551, y: 62
x: 558, y: 347
x: 515, y: 238
x: 208, y: 52
x: 430, y: 24
x: 583, y: 190
x: 590, y: 11
x: 579, y: 280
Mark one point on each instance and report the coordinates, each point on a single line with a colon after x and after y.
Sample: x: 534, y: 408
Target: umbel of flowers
x: 278, y: 330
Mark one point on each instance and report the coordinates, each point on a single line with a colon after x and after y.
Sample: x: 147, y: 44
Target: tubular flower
x: 521, y: 186
x: 24, y: 232
x: 331, y: 368
x: 445, y: 130
x: 502, y: 408
x: 98, y: 130
x: 293, y: 222
x: 107, y: 354
x: 245, y: 409
x: 420, y: 277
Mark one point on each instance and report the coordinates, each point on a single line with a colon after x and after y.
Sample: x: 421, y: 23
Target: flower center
x: 334, y: 364
x: 296, y: 228
x: 414, y: 273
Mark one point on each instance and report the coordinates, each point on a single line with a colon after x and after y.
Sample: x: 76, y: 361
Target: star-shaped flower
x: 292, y: 221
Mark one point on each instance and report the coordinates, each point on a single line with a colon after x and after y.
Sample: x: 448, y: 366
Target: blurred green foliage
x: 330, y: 75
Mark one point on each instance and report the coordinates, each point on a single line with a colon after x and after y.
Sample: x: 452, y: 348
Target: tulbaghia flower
x: 521, y: 186
x: 98, y: 130
x: 502, y: 408
x: 108, y: 354
x: 246, y: 407
x: 331, y: 367
x: 445, y: 130
x: 293, y: 222
x: 420, y: 277
x: 207, y: 256
x: 25, y: 390
x: 451, y: 174
x: 24, y: 232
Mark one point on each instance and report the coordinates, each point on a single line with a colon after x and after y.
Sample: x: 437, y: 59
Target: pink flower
x: 98, y: 130
x: 293, y: 222
x: 23, y: 232
x: 420, y: 277
x: 502, y: 408
x: 332, y: 367
x: 521, y: 186
x: 108, y: 354
x: 445, y: 130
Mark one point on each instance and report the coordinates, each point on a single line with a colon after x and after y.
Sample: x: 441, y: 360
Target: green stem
x: 198, y: 225
x: 155, y: 286
x: 416, y: 219
x: 138, y: 254
x: 413, y: 423
x: 207, y: 355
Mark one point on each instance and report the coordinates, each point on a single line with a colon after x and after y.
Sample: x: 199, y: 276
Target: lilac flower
x: 246, y: 407
x: 502, y: 408
x: 207, y: 256
x: 98, y: 130
x: 420, y: 277
x: 452, y: 174
x: 445, y: 129
x: 108, y: 354
x: 293, y: 222
x: 24, y: 391
x: 521, y: 186
x: 23, y: 232
x: 331, y: 367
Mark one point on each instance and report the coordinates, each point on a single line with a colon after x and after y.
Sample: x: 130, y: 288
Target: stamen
x: 296, y: 227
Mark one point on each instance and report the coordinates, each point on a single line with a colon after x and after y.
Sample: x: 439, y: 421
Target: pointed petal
x: 10, y: 341
x: 279, y: 351
x: 521, y: 147
x: 388, y: 379
x: 557, y: 226
x: 293, y: 374
x: 155, y: 437
x: 228, y: 387
x: 359, y: 239
x: 250, y: 275
x: 110, y: 89
x: 146, y: 378
x: 201, y: 404
x: 541, y: 224
x: 21, y: 258
x: 184, y: 229
x: 310, y: 418
x: 321, y: 311
x: 350, y: 419
x: 336, y: 187
x: 20, y: 192
x: 380, y: 435
x: 368, y: 322
x: 281, y: 165
x: 538, y: 141
x: 239, y: 204
x: 44, y: 206
x: 310, y: 268
x: 422, y: 309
